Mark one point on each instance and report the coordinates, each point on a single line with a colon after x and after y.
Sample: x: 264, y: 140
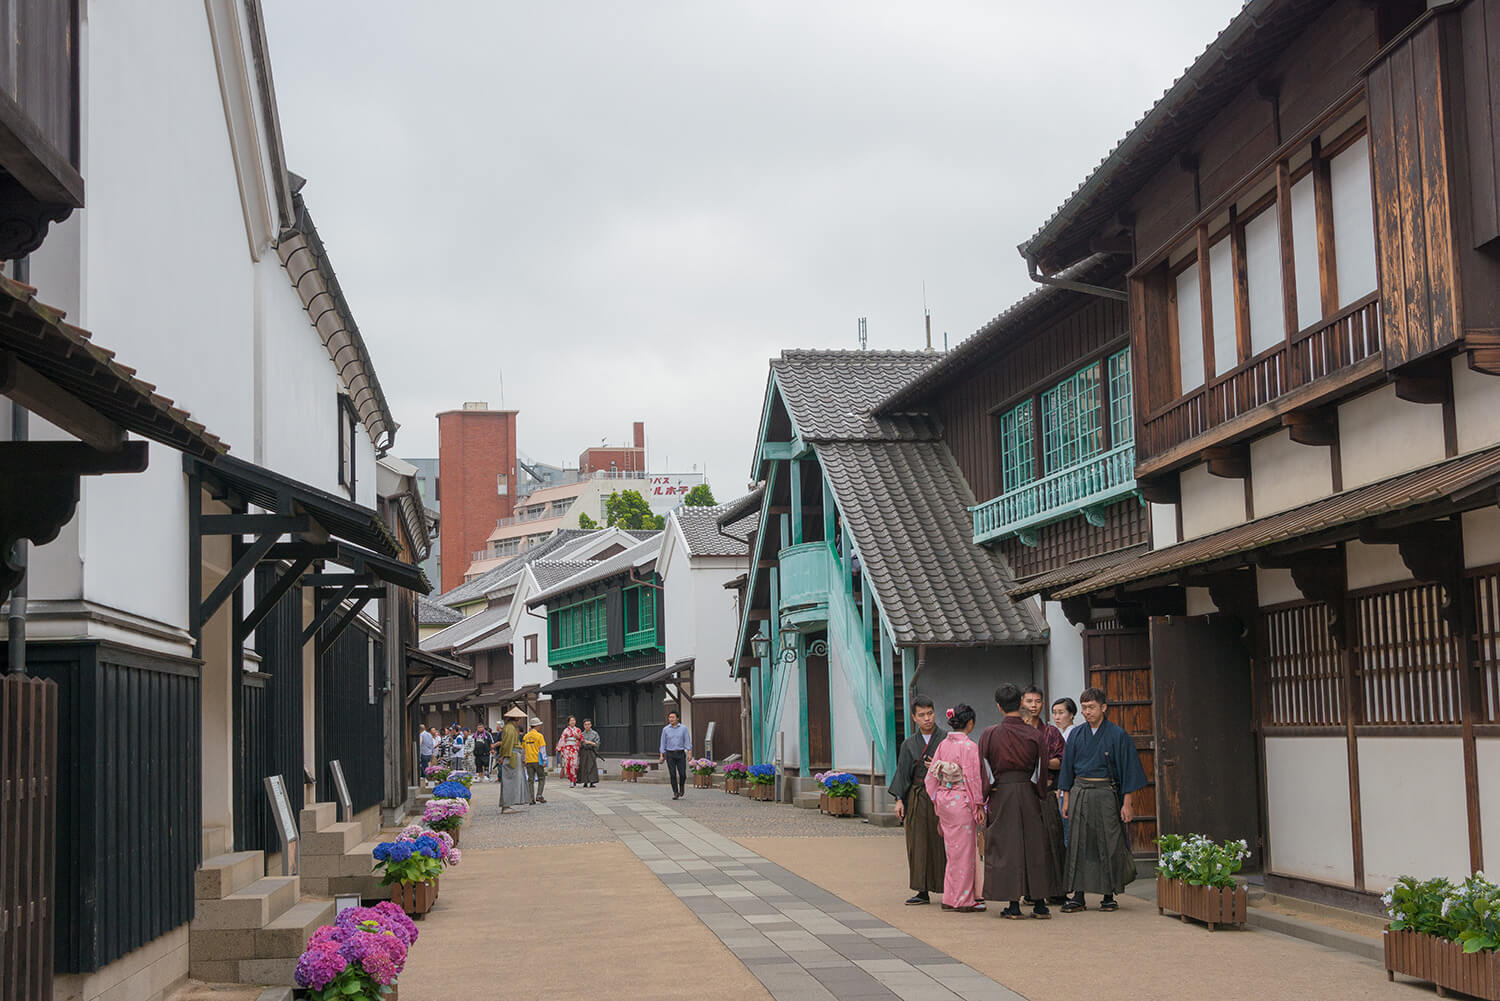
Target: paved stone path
x: 802, y: 942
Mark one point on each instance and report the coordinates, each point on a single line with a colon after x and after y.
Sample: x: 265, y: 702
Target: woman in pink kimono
x: 955, y: 784
x: 567, y: 750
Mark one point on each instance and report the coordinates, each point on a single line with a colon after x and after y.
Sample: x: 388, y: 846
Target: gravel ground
x: 565, y: 820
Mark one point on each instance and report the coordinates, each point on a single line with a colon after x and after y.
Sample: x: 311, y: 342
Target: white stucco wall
x: 1381, y: 435
x: 524, y: 624
x: 851, y: 746
x: 1199, y: 602
x: 1064, y: 655
x: 716, y: 623
x: 1373, y: 565
x: 1274, y: 587
x: 1476, y: 406
x: 1487, y: 750
x: 1481, y: 537
x: 1284, y: 474
x: 297, y: 388
x: 1412, y: 808
x: 1307, y: 793
x: 675, y: 567
x: 1210, y: 502
x: 1163, y: 526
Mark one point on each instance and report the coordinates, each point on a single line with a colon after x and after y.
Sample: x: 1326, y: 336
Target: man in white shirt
x: 426, y: 747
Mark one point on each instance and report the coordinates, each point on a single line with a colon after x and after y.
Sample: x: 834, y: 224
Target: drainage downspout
x: 911, y: 686
x: 15, y: 620
x: 1068, y: 283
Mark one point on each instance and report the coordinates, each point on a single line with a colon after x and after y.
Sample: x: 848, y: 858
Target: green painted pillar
x: 908, y: 670
x: 828, y: 512
x: 804, y: 739
x: 796, y: 488
x: 757, y: 711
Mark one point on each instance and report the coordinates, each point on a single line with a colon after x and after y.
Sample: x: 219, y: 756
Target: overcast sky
x: 625, y: 209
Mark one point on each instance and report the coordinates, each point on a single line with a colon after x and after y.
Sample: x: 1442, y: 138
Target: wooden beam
x: 284, y: 583
x: 1229, y: 461
x: 1163, y: 489
x: 1328, y: 283
x: 1427, y: 382
x: 253, y: 554
x: 1315, y: 426
x: 74, y: 458
x: 50, y: 401
x: 1484, y: 350
x: 338, y: 627
x: 1120, y: 243
x: 255, y: 524
x: 1288, y: 269
x: 324, y: 613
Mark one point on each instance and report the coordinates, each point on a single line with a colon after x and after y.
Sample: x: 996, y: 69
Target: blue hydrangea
x: 392, y: 851
x: 451, y: 790
x: 428, y: 845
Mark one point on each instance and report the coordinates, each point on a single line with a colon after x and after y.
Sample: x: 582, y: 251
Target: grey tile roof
x: 430, y: 613
x: 830, y: 394
x: 550, y: 572
x: 473, y: 590
x: 493, y: 641
x: 732, y: 511
x: 642, y: 555
x: 700, y: 527
x: 905, y: 504
x: 468, y: 629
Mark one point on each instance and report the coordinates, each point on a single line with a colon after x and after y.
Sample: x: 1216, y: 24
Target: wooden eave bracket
x: 1096, y: 514
x: 1318, y: 426
x: 1483, y: 346
x: 1433, y: 552
x: 1229, y: 461
x: 1028, y: 537
x: 1426, y: 382
x: 1320, y: 576
x: 1162, y: 489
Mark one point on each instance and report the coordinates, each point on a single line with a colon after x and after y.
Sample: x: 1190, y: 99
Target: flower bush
x: 451, y: 856
x: 445, y: 814
x: 762, y: 775
x: 417, y: 861
x: 1200, y: 861
x: 359, y: 957
x: 840, y: 784
x: 702, y: 766
x: 437, y: 773
x: 736, y: 769
x: 1468, y: 913
x: 451, y: 790
x: 467, y: 778
x: 632, y: 765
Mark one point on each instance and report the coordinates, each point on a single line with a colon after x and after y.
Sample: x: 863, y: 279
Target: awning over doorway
x: 1447, y: 488
x: 635, y: 674
x: 1069, y: 573
x: 498, y: 698
x: 421, y: 663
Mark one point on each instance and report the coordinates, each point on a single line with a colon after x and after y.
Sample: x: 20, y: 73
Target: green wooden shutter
x: 1121, y: 415
x: 1070, y: 421
x: 1016, y: 448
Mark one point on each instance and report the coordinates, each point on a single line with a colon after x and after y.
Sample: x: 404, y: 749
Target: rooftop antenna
x: 502, y: 388
x: 927, y: 315
x: 945, y: 342
x: 864, y: 335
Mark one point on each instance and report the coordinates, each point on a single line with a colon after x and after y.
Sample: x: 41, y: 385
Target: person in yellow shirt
x: 536, y: 761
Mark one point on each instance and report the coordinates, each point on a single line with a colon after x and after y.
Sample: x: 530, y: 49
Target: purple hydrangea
x: 320, y: 964
x: 380, y: 954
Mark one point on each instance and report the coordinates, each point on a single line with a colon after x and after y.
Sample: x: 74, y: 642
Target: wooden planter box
x: 415, y: 899
x: 823, y: 801
x: 765, y: 791
x: 703, y: 781
x: 630, y: 776
x: 838, y: 806
x: 733, y: 785
x: 1443, y: 964
x: 1209, y: 904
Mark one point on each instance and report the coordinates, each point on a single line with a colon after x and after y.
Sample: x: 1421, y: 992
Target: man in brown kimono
x: 1032, y: 701
x: 926, y: 860
x: 1017, y: 860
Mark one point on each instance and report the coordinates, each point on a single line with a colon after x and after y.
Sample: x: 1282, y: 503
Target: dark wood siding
x: 1126, y: 523
x: 1481, y: 41
x: 349, y: 723
x: 725, y: 711
x: 967, y: 408
x: 129, y: 809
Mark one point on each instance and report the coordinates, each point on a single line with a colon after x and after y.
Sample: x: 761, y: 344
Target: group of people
x: 515, y: 755
x: 455, y: 746
x: 1033, y: 811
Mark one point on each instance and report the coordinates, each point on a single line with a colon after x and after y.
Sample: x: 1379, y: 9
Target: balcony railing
x: 564, y: 655
x: 1106, y: 477
x: 807, y: 577
x: 1349, y: 336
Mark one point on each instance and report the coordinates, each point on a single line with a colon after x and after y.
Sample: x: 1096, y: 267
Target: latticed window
x: 1406, y: 662
x: 1016, y: 448
x: 1304, y: 675
x: 1070, y: 420
x: 1121, y: 420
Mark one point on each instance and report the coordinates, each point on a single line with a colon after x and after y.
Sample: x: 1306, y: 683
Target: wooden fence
x: 28, y: 815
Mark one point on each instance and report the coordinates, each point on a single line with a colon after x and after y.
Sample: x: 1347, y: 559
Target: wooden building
x: 1309, y: 224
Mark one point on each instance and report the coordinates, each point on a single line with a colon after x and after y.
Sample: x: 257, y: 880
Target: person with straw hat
x: 512, y: 781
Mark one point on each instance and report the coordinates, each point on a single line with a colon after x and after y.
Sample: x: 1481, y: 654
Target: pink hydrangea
x: 412, y: 832
x: 320, y: 964
x: 380, y: 954
x: 454, y: 856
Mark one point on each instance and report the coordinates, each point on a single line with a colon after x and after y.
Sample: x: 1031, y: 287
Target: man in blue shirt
x: 676, y: 742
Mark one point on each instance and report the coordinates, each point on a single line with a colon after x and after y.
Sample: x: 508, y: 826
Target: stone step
x: 249, y: 909
x: 266, y: 971
x: 807, y: 800
x: 286, y: 936
x: 317, y: 817
x: 353, y: 863
x: 216, y: 841
x: 222, y: 875
x: 334, y: 839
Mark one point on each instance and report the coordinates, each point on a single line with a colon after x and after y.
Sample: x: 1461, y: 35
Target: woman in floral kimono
x: 955, y: 785
x: 567, y: 750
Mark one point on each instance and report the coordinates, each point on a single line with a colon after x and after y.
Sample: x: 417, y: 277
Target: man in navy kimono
x: 1100, y: 769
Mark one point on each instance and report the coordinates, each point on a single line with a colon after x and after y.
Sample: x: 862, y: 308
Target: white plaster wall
x: 971, y: 674
x: 1274, y: 587
x: 851, y: 747
x: 1199, y: 602
x: 1487, y: 750
x: 1210, y: 502
x: 1285, y: 474
x: 539, y: 672
x: 1412, y: 808
x: 1163, y: 526
x: 716, y: 625
x: 297, y: 389
x: 1065, y: 668
x: 677, y: 602
x: 364, y: 477
x: 1307, y: 793
x: 1476, y: 406
x: 1380, y: 436
x: 1372, y: 565
x: 1481, y: 537
x: 841, y: 713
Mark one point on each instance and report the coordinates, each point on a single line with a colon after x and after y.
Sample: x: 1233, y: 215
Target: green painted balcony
x: 1083, y: 488
x: 644, y: 639
x: 809, y: 572
x: 577, y: 653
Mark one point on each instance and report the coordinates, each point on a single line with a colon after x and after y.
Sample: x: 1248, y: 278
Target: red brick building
x: 476, y: 481
x: 620, y: 458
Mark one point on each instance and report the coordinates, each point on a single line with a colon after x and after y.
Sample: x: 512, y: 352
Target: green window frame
x: 1016, y: 448
x: 1121, y: 413
x: 1070, y: 421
